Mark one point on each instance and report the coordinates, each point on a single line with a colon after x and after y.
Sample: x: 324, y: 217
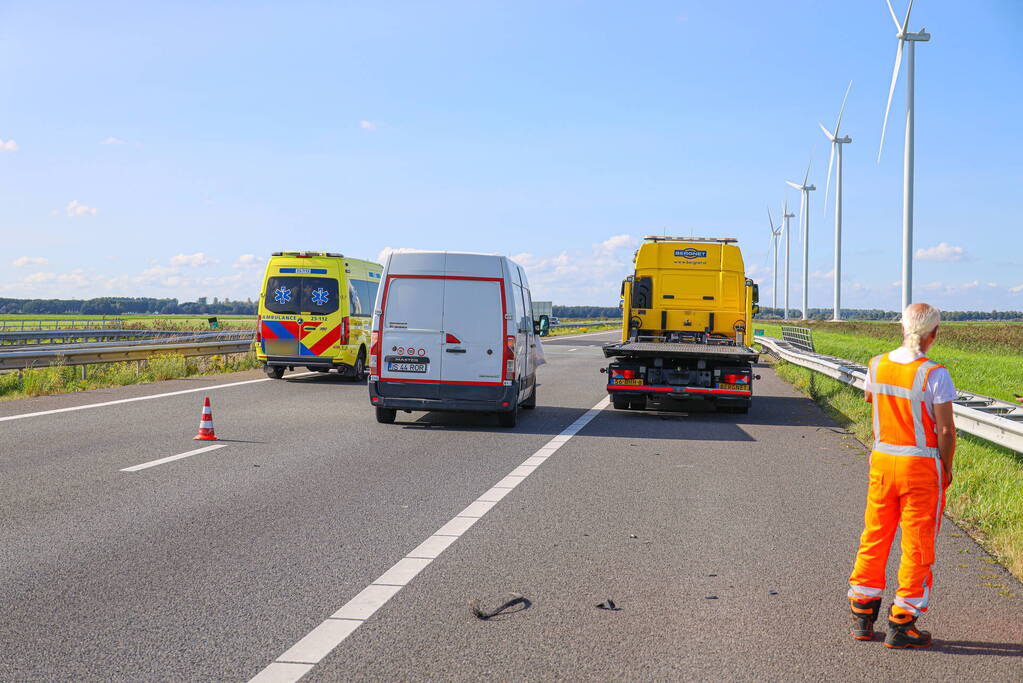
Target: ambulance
x: 453, y: 331
x: 315, y: 311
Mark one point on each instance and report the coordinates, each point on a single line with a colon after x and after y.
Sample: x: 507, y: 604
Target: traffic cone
x: 206, y: 424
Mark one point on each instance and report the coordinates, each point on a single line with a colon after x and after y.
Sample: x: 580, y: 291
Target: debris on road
x: 609, y: 605
x: 513, y: 600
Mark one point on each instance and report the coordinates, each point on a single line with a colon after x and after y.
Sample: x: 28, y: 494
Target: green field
x: 985, y: 496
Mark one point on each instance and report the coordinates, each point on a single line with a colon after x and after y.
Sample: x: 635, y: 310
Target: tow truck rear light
x: 735, y: 379
x: 345, y: 330
x: 509, y: 358
x: 623, y: 374
x: 374, y: 355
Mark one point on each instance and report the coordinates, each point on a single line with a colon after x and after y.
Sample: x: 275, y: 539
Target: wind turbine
x: 804, y: 214
x: 774, y: 243
x: 785, y: 216
x: 836, y: 151
x: 907, y: 176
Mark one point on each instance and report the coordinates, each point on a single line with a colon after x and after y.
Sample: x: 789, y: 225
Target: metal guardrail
x: 23, y: 325
x: 86, y: 354
x: 592, y: 324
x: 800, y: 337
x: 67, y: 335
x: 989, y: 418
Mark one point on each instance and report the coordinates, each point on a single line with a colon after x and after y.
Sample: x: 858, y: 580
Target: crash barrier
x: 22, y: 325
x: 79, y: 335
x: 589, y: 324
x: 992, y: 419
x: 196, y: 344
x: 800, y: 337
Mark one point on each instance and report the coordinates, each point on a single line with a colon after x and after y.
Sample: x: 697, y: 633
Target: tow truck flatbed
x: 680, y: 350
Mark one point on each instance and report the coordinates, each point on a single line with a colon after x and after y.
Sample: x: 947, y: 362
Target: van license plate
x: 631, y: 382
x: 407, y: 367
x: 733, y: 387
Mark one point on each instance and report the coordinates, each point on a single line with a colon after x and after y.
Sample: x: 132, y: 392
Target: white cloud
x: 578, y: 276
x: 24, y: 261
x: 9, y: 146
x: 368, y: 125
x: 194, y: 260
x: 113, y: 141
x: 246, y: 261
x: 387, y: 251
x: 76, y: 208
x: 941, y: 252
x: 1017, y: 289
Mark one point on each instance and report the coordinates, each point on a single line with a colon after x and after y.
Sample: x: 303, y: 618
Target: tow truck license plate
x: 633, y: 382
x: 406, y: 367
x: 734, y: 387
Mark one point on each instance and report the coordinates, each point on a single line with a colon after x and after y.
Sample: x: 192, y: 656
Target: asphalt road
x: 725, y: 540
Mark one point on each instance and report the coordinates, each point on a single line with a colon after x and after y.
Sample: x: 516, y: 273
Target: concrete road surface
x: 315, y: 542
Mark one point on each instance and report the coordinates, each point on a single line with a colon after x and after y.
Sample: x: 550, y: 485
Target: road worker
x: 910, y: 468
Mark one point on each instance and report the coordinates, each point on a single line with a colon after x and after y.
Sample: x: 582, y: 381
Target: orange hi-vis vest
x: 903, y: 423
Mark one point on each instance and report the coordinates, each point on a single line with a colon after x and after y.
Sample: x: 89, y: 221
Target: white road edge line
x: 172, y: 458
x: 146, y: 398
x: 300, y: 658
x: 584, y: 334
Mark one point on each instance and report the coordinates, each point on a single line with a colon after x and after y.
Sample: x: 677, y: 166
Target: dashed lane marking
x: 172, y: 458
x: 300, y: 658
x: 145, y: 398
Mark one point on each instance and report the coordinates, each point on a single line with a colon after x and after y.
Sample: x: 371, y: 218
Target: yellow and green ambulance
x: 315, y: 311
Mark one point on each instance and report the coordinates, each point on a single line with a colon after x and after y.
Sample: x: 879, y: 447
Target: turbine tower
x: 804, y: 214
x: 907, y: 173
x: 775, y: 232
x: 785, y: 216
x: 836, y: 151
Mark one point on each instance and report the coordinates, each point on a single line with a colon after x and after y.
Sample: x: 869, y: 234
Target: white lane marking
x: 573, y: 349
x: 146, y: 398
x: 297, y: 661
x: 172, y: 458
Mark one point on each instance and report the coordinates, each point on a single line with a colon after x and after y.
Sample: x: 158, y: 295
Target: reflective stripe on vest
x: 916, y: 396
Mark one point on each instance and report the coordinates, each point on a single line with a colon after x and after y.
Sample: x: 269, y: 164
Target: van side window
x: 367, y: 294
x: 354, y: 304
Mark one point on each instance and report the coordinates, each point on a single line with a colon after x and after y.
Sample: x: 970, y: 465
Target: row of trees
x: 111, y: 305
x: 587, y: 312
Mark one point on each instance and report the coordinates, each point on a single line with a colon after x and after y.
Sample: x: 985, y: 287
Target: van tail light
x: 451, y: 339
x: 374, y: 354
x: 345, y: 330
x: 259, y: 329
x: 735, y: 379
x: 509, y: 358
x: 623, y: 374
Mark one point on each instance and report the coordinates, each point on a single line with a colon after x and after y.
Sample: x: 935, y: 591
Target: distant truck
x: 687, y: 311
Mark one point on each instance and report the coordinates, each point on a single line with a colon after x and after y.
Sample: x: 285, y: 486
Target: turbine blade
x: 792, y: 184
x: 842, y: 110
x: 827, y: 187
x: 905, y: 24
x: 807, y: 176
x: 827, y: 133
x: 769, y: 219
x: 891, y: 91
x: 894, y: 18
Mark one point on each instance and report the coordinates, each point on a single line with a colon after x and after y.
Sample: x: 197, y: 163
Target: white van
x: 453, y: 331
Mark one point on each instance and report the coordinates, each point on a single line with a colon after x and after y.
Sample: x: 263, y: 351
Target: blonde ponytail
x: 918, y: 321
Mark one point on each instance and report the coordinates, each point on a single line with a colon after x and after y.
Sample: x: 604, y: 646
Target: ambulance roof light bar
x: 307, y: 254
x: 659, y: 238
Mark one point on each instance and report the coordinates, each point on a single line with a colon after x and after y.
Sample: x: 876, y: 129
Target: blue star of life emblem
x: 320, y: 296
x: 282, y: 295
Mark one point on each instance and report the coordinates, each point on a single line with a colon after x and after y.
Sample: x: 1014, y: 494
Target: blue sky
x: 166, y: 149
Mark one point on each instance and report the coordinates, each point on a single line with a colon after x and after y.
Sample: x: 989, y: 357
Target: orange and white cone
x: 206, y: 424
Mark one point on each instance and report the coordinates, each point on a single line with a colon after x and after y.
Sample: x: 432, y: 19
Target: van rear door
x: 474, y: 331
x: 410, y: 334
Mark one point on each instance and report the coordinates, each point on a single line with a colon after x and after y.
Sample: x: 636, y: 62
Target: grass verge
x: 985, y: 494
x: 65, y: 379
x: 596, y: 327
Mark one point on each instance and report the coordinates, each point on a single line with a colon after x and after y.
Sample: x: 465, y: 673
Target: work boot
x: 902, y: 632
x: 864, y: 615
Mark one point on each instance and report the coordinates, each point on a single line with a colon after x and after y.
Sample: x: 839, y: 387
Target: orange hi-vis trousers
x: 906, y: 486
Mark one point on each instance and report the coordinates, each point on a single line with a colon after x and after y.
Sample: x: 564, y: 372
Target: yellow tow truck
x: 686, y: 314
